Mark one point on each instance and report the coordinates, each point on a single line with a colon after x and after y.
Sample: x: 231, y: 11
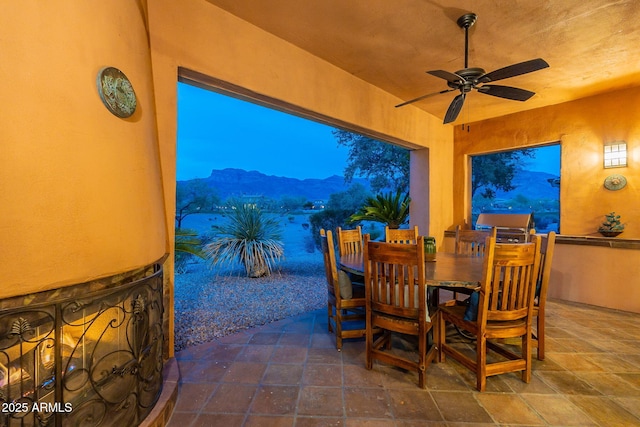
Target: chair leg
x: 368, y: 342
x: 435, y: 330
x: 422, y: 377
x: 387, y: 344
x: 338, y: 329
x: 422, y: 358
x: 526, y: 354
x: 435, y: 297
x: 481, y: 363
x: 441, y: 336
x: 540, y: 331
x: 329, y: 317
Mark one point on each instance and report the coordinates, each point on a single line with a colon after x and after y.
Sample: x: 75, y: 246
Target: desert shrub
x: 249, y: 238
x: 329, y: 219
x: 351, y: 199
x: 187, y: 246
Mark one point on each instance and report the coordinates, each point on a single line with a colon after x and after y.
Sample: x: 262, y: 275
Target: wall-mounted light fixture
x: 615, y: 154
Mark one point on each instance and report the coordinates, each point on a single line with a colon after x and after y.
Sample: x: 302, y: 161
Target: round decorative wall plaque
x: 615, y: 182
x: 116, y: 92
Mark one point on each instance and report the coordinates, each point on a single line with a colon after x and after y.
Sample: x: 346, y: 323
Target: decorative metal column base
x: 88, y: 354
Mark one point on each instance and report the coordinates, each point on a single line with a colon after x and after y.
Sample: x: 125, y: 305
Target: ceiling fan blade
x: 423, y: 97
x: 514, y: 70
x: 454, y: 109
x: 507, y: 92
x: 450, y: 77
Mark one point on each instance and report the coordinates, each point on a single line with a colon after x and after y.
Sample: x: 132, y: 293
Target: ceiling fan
x: 476, y: 78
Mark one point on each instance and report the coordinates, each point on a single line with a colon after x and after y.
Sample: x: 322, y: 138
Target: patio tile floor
x: 288, y: 373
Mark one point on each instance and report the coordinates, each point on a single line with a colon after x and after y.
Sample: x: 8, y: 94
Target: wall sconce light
x: 615, y: 154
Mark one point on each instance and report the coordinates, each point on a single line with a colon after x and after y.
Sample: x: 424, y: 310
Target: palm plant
x: 248, y: 238
x: 187, y: 244
x: 390, y: 209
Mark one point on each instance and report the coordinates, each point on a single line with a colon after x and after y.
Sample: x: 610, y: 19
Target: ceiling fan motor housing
x: 469, y: 79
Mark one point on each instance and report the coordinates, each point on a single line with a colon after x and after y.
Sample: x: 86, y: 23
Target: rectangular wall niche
x: 81, y: 357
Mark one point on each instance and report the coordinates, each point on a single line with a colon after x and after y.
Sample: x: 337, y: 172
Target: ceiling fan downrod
x: 465, y: 22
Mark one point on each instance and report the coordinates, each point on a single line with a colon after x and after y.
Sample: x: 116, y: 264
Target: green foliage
x: 193, y: 196
x: 187, y: 245
x: 249, y: 238
x: 329, y: 219
x: 389, y: 209
x: 384, y: 165
x: 612, y: 223
x: 350, y: 200
x: 496, y: 171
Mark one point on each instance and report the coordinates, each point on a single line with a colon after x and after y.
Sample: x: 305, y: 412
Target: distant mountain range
x: 541, y: 184
x: 238, y: 182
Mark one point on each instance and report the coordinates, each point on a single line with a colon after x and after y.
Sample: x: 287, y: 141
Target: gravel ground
x: 212, y: 303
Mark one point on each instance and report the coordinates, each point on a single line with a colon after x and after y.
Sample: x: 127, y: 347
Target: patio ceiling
x: 592, y: 46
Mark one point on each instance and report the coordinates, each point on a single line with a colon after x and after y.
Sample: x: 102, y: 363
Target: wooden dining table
x: 445, y: 270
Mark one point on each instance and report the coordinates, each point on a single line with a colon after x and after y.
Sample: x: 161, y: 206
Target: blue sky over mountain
x: 217, y: 131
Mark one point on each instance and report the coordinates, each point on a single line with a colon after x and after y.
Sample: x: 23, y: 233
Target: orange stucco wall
x: 81, y: 190
x: 582, y: 127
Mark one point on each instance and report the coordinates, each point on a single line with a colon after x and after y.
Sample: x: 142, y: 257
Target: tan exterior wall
x: 582, y: 127
x: 81, y: 190
x: 201, y: 37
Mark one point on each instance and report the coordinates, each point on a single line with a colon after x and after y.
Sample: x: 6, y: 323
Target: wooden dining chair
x: 547, y: 247
x: 345, y: 301
x: 408, y: 235
x: 505, y: 310
x: 397, y: 304
x: 472, y: 242
x: 349, y: 241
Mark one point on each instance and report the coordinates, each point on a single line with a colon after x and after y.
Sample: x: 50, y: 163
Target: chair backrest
x: 349, y: 241
x: 329, y: 257
x: 509, y: 280
x: 547, y: 247
x: 395, y: 278
x: 472, y: 242
x: 408, y: 235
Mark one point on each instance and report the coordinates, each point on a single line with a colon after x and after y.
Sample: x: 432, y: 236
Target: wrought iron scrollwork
x: 72, y: 362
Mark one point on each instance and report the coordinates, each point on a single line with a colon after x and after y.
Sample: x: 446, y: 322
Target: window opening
x: 519, y: 181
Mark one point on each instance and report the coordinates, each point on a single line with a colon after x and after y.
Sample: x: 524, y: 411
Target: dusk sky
x: 217, y: 132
